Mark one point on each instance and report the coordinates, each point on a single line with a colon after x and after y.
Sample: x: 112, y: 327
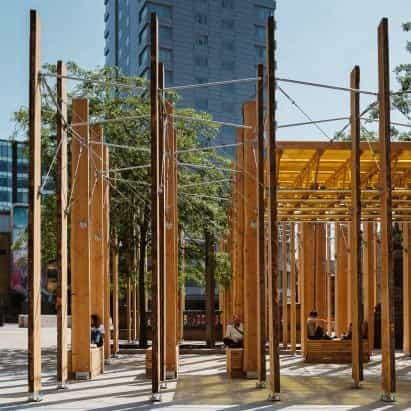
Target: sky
x: 318, y: 40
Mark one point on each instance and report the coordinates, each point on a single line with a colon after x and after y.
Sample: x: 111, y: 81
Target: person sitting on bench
x: 315, y: 331
x: 234, y: 334
x: 97, y: 330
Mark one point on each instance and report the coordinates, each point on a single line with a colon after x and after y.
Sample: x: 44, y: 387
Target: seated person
x: 363, y: 331
x: 234, y: 334
x: 315, y: 329
x: 97, y: 330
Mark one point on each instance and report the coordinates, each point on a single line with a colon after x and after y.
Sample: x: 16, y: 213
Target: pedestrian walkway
x: 202, y: 384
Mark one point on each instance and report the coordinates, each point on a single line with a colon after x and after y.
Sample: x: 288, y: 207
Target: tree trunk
x: 141, y: 283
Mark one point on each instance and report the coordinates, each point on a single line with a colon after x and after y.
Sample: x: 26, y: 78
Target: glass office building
x: 201, y: 41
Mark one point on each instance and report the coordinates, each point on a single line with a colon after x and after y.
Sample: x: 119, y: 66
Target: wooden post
x: 387, y: 269
x: 114, y: 271
x: 155, y: 211
x: 171, y: 233
x: 341, y: 280
x: 210, y: 287
x: 356, y: 274
x: 80, y: 243
x: 407, y: 288
x: 128, y: 301
x: 250, y: 245
x: 273, y: 313
x: 293, y: 286
x: 106, y: 254
x: 307, y: 282
x: 162, y: 222
x: 284, y: 284
x: 34, y: 224
x: 319, y: 271
x: 261, y: 287
x: 61, y: 199
x: 369, y: 281
x: 96, y: 193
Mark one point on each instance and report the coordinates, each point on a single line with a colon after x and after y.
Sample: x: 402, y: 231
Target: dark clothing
x: 228, y: 342
x: 96, y: 337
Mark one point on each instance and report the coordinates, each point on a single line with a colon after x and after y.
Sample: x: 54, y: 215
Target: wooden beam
x: 319, y: 270
x: 34, y: 223
x: 341, y: 279
x: 250, y: 245
x: 307, y: 283
x: 129, y: 303
x: 356, y: 266
x: 80, y: 243
x: 155, y: 210
x: 61, y: 218
x: 293, y: 286
x: 369, y: 281
x: 406, y: 286
x: 115, y: 296
x: 171, y: 233
x: 284, y: 285
x: 387, y: 269
x: 106, y: 255
x: 162, y: 233
x: 209, y: 288
x: 273, y: 314
x: 96, y: 193
x: 261, y: 287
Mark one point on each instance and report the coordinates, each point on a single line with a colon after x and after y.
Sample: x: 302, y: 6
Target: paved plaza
x: 202, y: 385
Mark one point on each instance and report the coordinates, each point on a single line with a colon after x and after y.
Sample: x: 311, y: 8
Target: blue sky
x: 318, y: 40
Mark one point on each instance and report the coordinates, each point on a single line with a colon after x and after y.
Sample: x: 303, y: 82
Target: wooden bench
x: 96, y: 366
x: 234, y: 362
x: 170, y: 373
x: 332, y: 351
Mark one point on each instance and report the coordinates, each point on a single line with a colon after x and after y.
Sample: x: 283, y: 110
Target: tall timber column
x: 80, y: 243
x: 407, y: 288
x: 341, y: 280
x: 369, y: 281
x: 250, y: 244
x: 320, y: 271
x: 307, y: 284
x: 171, y: 233
x: 96, y: 190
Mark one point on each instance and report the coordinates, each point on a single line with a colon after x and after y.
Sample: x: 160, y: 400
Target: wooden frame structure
x: 309, y: 184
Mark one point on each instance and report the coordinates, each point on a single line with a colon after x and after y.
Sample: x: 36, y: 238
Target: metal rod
x: 95, y: 81
x: 111, y: 120
x: 212, y: 84
x: 313, y: 122
x: 205, y: 120
x: 208, y: 167
x: 327, y: 86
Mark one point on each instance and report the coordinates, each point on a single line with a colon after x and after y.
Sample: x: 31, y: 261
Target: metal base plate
x: 274, y: 396
x: 388, y: 397
x: 62, y: 386
x: 35, y: 397
x: 260, y: 384
x: 163, y: 385
x: 82, y: 375
x: 156, y: 397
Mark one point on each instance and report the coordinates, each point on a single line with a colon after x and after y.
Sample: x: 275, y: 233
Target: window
x: 260, y: 53
x: 201, y: 40
x: 263, y: 12
x: 228, y: 65
x: 5, y: 196
x: 22, y: 182
x: 5, y: 165
x: 227, y: 4
x: 227, y: 24
x: 169, y: 77
x: 201, y: 61
x: 106, y: 51
x: 143, y: 36
x: 201, y: 18
x: 5, y: 150
x: 163, y: 12
x: 228, y: 45
x: 259, y: 33
x: 5, y: 181
x: 143, y: 14
x: 165, y: 33
x: 106, y: 33
x: 228, y: 107
x: 143, y: 57
x: 106, y: 16
x: 22, y: 167
x: 22, y: 197
x: 166, y: 56
x: 201, y: 103
x: 201, y: 80
x: 105, y: 2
